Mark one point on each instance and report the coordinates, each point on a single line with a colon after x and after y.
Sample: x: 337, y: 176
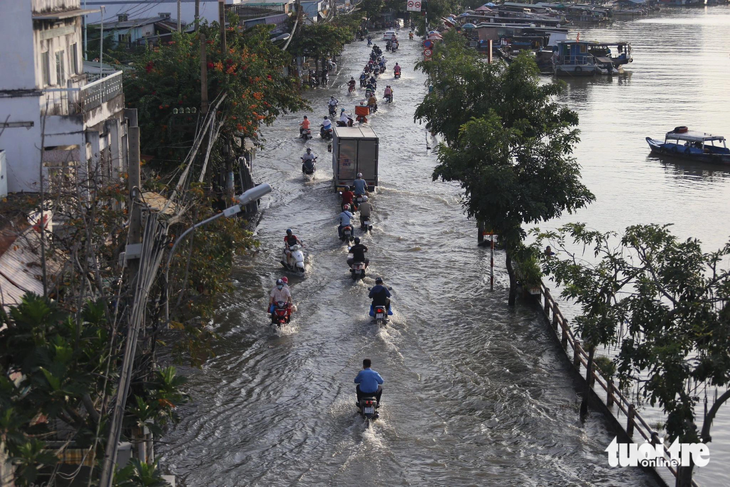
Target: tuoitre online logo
x: 648, y: 455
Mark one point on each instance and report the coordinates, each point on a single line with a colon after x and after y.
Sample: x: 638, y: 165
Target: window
x: 75, y: 58
x: 46, y: 67
x: 60, y: 68
x: 124, y: 39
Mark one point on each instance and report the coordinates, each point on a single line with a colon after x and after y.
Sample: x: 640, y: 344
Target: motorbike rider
x: 380, y: 296
x: 290, y: 240
x: 308, y: 161
x: 326, y: 125
x: 388, y: 93
x: 344, y: 218
x: 304, y: 126
x: 348, y: 198
x: 369, y: 383
x: 280, y: 292
x: 396, y: 69
x: 373, y: 103
x: 370, y: 40
x: 332, y: 104
x: 358, y: 253
x: 345, y: 120
x: 351, y: 84
x: 366, y: 209
x: 360, y: 186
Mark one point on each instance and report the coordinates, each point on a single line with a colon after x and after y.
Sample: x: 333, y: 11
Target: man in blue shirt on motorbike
x: 344, y: 219
x: 369, y: 383
x: 380, y: 296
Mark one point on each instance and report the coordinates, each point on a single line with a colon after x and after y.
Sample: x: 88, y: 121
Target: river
x: 476, y: 393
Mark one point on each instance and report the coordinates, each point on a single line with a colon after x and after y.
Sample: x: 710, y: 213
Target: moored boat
x: 574, y: 58
x: 697, y: 146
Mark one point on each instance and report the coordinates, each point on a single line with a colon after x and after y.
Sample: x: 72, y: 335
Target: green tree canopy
x: 664, y: 303
x: 507, y: 142
x: 251, y: 72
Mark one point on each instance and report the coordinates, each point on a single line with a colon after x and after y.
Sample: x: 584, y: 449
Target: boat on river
x: 574, y: 58
x: 696, y: 146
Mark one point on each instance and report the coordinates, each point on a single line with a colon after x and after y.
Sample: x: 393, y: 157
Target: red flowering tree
x: 251, y: 71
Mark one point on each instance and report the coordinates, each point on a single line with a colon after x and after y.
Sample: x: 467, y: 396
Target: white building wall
x: 17, y: 68
x: 62, y: 38
x: 41, y: 6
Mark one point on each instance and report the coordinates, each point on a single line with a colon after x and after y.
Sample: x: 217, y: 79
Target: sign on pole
x: 413, y: 5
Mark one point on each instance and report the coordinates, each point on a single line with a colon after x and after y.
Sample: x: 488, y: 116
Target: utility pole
x: 179, y: 21
x: 197, y: 14
x: 222, y: 20
x: 101, y: 44
x: 135, y: 183
x: 203, y: 75
x: 86, y: 37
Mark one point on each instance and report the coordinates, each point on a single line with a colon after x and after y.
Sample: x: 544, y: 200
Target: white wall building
x: 43, y: 89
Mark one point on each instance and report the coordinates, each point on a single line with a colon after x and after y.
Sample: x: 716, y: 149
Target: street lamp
x: 248, y: 196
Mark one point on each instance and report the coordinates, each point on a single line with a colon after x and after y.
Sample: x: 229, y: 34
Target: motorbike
x: 346, y: 234
x: 298, y: 257
x: 394, y: 47
x: 370, y: 41
x: 365, y: 225
x: 388, y: 98
x: 410, y: 35
x: 333, y: 110
x: 381, y: 314
x: 282, y: 313
x: 373, y: 108
x: 382, y: 69
x: 363, y: 82
x: 308, y: 169
x: 350, y: 122
x: 396, y: 75
x: 351, y: 88
x: 357, y: 270
x: 305, y: 134
x: 325, y: 134
x: 368, y: 407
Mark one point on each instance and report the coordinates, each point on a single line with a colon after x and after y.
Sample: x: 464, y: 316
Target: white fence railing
x: 74, y: 100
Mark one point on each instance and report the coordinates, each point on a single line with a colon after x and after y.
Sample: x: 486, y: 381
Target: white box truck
x: 354, y: 150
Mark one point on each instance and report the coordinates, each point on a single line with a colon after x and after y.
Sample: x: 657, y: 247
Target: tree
x: 664, y: 302
x: 320, y: 41
x: 506, y: 141
x: 55, y: 378
x: 371, y: 7
x: 166, y: 78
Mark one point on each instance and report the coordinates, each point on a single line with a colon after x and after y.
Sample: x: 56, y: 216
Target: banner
x: 413, y: 5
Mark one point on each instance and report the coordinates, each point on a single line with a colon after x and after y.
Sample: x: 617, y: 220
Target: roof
x: 355, y: 132
x: 131, y: 23
x: 63, y: 14
x: 694, y: 136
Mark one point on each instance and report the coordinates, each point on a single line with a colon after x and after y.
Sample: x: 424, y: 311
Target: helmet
x: 332, y: 97
x: 357, y: 240
x: 364, y: 198
x: 342, y: 111
x: 359, y: 175
x: 309, y: 149
x: 279, y: 282
x: 346, y: 207
x: 285, y: 280
x: 305, y: 117
x: 378, y: 280
x: 396, y: 64
x: 352, y: 77
x: 326, y: 118
x: 288, y: 231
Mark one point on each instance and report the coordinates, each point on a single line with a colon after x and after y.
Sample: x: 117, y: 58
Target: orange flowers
x: 219, y: 66
x: 258, y: 95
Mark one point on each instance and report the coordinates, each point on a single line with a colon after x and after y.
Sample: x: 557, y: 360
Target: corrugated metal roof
x: 20, y: 268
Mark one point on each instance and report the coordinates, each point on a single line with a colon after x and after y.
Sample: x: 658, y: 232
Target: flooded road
x: 475, y: 392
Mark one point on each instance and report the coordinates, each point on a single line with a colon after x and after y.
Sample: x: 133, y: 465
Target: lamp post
x: 248, y: 196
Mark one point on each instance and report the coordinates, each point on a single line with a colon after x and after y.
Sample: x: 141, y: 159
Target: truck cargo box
x: 354, y: 150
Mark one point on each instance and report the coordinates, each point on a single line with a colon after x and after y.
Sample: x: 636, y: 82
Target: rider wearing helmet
x: 352, y: 83
x: 360, y: 185
x: 358, y: 253
x: 326, y: 124
x: 396, y: 69
x: 280, y: 292
x: 380, y: 296
x: 344, y: 218
x: 368, y: 383
x: 289, y: 241
x: 308, y: 161
x: 344, y: 119
x: 365, y: 208
x: 333, y: 102
x: 347, y: 198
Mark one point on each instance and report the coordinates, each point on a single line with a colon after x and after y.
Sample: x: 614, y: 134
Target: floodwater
x: 475, y: 393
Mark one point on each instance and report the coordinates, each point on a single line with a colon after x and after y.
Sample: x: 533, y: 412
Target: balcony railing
x: 80, y: 98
